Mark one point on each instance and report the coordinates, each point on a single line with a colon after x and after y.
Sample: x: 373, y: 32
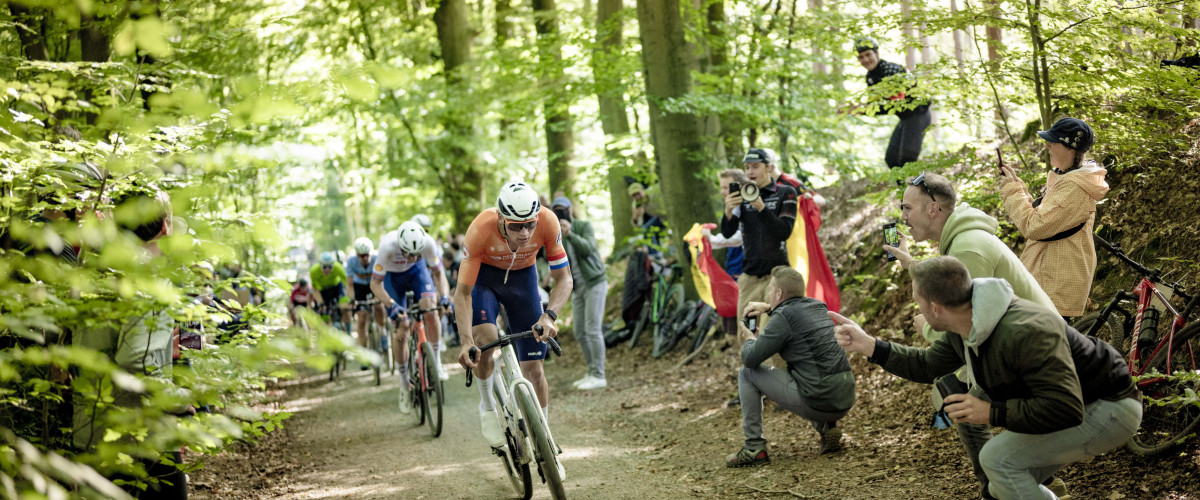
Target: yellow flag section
x: 715, y: 287
x: 806, y: 255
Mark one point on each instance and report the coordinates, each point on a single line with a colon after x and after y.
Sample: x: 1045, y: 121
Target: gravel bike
x: 424, y: 393
x: 1160, y: 345
x: 377, y: 340
x: 526, y: 433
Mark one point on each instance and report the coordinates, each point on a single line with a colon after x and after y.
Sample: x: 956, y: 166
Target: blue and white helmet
x: 411, y: 238
x: 326, y: 259
x: 518, y: 202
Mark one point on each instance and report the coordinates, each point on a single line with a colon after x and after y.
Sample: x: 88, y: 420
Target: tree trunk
x: 818, y: 68
x: 28, y: 25
x: 995, y: 35
x: 731, y: 150
x: 559, y: 126
x: 614, y: 120
x: 457, y: 167
x: 958, y: 44
x: 910, y: 52
x: 688, y: 199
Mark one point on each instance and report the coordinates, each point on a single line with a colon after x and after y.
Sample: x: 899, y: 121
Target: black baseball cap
x: 1070, y: 132
x: 764, y: 155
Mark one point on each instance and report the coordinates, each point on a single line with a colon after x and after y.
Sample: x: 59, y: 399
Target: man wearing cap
x: 591, y: 286
x: 766, y: 217
x: 644, y: 218
x: 893, y: 98
x: 1057, y: 226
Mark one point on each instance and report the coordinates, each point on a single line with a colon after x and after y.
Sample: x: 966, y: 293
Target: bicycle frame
x: 510, y: 370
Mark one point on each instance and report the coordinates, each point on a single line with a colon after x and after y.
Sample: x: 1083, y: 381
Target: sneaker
x: 831, y: 440
x: 441, y: 370
x: 747, y: 457
x: 1058, y: 487
x: 492, y: 433
x: 405, y: 398
x: 736, y: 401
x: 580, y: 381
x: 593, y: 383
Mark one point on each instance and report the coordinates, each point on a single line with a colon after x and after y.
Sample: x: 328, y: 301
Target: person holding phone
x: 1057, y: 226
x: 1063, y: 397
x: 817, y: 384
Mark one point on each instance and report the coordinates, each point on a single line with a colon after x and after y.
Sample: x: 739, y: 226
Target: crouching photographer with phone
x: 817, y: 385
x: 1063, y: 397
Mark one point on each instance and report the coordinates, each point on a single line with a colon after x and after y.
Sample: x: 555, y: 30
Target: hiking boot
x: 492, y: 433
x: 747, y: 457
x: 831, y: 440
x: 1058, y: 487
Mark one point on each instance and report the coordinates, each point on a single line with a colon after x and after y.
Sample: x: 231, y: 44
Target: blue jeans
x: 1016, y: 463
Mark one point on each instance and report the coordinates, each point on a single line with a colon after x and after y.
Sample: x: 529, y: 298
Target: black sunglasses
x: 516, y: 227
x: 920, y: 181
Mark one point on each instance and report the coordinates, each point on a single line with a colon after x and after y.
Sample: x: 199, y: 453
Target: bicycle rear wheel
x: 668, y: 332
x: 544, y: 452
x: 1112, y: 331
x: 1169, y: 416
x: 640, y: 326
x: 433, y: 392
x: 703, y: 325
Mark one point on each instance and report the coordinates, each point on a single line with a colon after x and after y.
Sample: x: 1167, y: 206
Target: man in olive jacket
x: 591, y: 286
x: 818, y: 384
x: 1063, y: 397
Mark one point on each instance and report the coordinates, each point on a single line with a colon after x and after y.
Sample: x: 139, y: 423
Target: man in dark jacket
x: 591, y: 286
x: 765, y: 212
x: 818, y: 384
x: 1063, y: 397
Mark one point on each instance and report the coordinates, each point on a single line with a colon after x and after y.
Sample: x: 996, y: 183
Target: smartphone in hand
x: 751, y: 324
x: 999, y: 161
x: 891, y: 236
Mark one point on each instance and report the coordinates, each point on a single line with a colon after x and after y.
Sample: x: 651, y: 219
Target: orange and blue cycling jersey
x: 486, y: 245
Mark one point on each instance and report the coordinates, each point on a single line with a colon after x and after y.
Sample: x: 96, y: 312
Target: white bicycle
x: 526, y: 433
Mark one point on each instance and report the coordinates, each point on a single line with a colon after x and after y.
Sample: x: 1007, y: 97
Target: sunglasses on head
x: 920, y: 181
x: 517, y: 227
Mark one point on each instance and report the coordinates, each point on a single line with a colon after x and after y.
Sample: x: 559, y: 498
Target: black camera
x: 751, y: 324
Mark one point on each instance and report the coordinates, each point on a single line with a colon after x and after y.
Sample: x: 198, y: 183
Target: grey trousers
x: 1017, y: 463
x: 778, y: 386
x: 588, y: 310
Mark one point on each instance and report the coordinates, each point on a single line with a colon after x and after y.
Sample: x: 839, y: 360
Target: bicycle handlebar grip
x: 554, y: 346
x: 474, y: 353
x: 1107, y: 246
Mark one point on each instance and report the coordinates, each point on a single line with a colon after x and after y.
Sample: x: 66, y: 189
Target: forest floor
x: 657, y: 432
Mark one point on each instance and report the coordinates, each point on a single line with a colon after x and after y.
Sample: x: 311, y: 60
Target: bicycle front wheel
x: 1112, y: 331
x: 515, y: 455
x: 1168, y: 415
x: 640, y: 325
x: 433, y: 391
x: 668, y: 331
x: 544, y: 450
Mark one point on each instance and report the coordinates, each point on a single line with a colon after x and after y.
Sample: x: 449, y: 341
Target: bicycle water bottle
x: 1148, y: 332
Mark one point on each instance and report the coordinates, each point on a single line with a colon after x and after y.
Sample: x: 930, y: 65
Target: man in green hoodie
x: 930, y: 209
x: 1064, y: 397
x: 587, y: 301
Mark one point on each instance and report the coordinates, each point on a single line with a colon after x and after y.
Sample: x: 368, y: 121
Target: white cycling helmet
x: 411, y: 238
x: 518, y: 202
x: 423, y: 220
x: 363, y: 246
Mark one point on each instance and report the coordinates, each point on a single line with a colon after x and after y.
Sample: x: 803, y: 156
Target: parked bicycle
x: 690, y: 325
x: 526, y: 433
x: 424, y: 388
x: 666, y: 297
x: 1160, y: 345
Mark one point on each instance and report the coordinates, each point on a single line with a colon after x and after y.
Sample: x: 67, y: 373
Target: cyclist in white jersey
x: 405, y: 261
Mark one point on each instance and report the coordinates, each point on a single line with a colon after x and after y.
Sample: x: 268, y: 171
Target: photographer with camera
x: 765, y: 212
x: 1064, y: 397
x: 818, y: 384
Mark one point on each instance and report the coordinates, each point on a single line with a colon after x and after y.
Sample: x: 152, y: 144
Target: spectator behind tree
x: 646, y: 220
x: 1057, y: 225
x: 1061, y: 396
x: 893, y: 97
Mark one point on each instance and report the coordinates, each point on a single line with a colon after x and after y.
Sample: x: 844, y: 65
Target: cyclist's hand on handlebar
x: 464, y: 356
x: 548, y: 328
x: 756, y: 308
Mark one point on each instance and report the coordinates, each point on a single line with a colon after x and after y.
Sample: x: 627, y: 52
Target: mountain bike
x: 424, y: 388
x: 1160, y: 345
x: 526, y: 433
x: 689, y: 324
x: 376, y: 339
x: 666, y: 297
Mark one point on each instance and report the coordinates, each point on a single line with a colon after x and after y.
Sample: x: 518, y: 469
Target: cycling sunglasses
x: 920, y: 181
x: 326, y: 267
x: 516, y: 227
